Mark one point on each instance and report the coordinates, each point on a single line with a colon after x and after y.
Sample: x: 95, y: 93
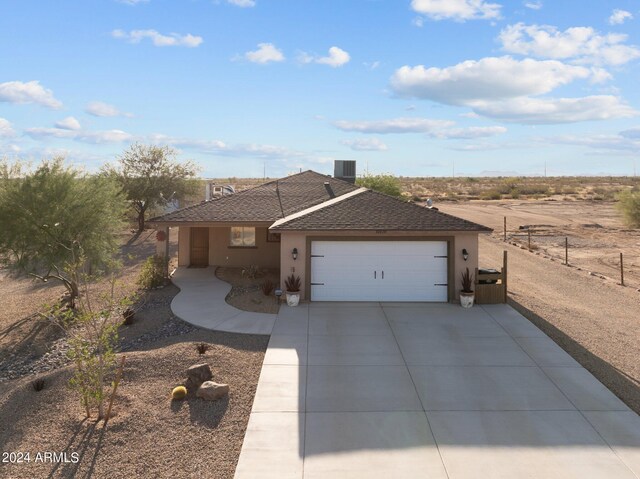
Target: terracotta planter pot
x: 466, y: 299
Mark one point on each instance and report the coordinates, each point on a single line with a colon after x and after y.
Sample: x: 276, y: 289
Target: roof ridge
x: 318, y: 207
x: 436, y: 211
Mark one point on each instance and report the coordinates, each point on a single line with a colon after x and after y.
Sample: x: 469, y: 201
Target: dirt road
x: 595, y: 320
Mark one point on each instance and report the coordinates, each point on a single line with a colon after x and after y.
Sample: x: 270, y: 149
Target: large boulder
x: 211, y: 391
x: 197, y: 374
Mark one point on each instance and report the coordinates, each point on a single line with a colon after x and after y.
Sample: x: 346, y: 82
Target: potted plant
x: 466, y: 293
x: 292, y: 284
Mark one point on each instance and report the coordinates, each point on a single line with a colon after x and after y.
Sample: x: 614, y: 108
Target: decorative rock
x: 211, y: 391
x: 199, y: 373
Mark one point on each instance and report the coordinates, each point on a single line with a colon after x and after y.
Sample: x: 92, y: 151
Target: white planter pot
x: 293, y: 298
x: 466, y: 299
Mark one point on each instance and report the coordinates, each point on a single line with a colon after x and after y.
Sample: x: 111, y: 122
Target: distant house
x: 345, y: 242
x: 215, y: 191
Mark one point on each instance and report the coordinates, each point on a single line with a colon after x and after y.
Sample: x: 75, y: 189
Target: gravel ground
x: 150, y: 436
x: 595, y: 320
x: 246, y: 293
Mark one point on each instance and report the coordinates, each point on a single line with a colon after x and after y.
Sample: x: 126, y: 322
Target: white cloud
x: 266, y: 53
x: 418, y: 22
x: 536, y: 5
x: 580, y: 44
x: 158, y: 39
x: 69, y: 123
x: 604, y: 142
x: 469, y: 133
x: 218, y: 147
x: 618, y: 17
x: 337, y: 57
x: 442, y: 129
x: 492, y: 78
x: 242, y: 3
x: 556, y: 110
x: 98, y: 108
x: 93, y: 137
x: 372, y: 65
x: 458, y: 10
x: 396, y: 125
x: 6, y: 130
x: 365, y: 144
x: 28, y: 92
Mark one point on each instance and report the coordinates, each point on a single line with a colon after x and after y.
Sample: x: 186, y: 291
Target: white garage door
x: 379, y: 271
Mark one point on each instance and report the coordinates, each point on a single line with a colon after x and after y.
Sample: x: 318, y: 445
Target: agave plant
x: 292, y: 283
x: 467, y: 282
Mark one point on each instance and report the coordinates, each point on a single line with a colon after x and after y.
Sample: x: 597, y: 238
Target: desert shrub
x: 515, y: 193
x: 128, y: 316
x: 250, y: 271
x: 202, y: 348
x: 152, y: 273
x: 385, y: 183
x: 534, y: 189
x: 38, y: 384
x: 492, y: 194
x: 179, y: 392
x: 629, y: 206
x: 267, y: 287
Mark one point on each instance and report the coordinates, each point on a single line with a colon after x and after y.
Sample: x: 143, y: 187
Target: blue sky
x: 415, y: 88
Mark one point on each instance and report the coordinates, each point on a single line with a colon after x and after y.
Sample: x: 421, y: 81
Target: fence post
x: 621, y: 271
x: 566, y: 251
x: 505, y: 229
x: 504, y: 274
x: 529, y: 236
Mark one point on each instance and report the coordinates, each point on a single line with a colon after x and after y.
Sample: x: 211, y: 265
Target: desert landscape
x: 582, y: 306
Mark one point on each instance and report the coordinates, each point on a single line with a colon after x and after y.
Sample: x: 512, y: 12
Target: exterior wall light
x: 294, y: 254
x: 465, y: 254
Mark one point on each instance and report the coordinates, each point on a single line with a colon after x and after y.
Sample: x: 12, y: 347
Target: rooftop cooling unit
x: 345, y: 170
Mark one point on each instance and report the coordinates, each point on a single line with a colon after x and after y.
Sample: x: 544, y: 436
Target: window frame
x: 242, y: 236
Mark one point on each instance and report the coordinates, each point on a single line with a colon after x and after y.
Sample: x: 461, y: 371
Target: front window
x: 243, y: 236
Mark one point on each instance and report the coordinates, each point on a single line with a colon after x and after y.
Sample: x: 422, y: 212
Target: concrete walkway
x: 429, y: 391
x: 201, y: 302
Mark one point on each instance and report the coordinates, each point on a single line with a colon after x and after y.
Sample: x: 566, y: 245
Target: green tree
x: 48, y: 213
x: 92, y: 336
x: 629, y: 206
x: 384, y: 183
x: 150, y: 176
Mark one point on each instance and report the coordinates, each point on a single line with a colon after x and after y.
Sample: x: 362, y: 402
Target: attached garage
x: 379, y: 271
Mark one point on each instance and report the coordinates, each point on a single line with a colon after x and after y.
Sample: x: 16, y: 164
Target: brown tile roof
x: 267, y: 202
x: 376, y: 211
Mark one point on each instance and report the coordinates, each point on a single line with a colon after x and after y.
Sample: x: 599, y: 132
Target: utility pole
x: 545, y: 168
x: 453, y: 168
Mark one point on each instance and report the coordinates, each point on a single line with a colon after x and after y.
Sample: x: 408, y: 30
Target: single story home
x: 346, y: 243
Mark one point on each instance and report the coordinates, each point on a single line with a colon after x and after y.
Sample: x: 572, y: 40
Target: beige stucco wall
x: 468, y: 241
x: 265, y: 254
x: 287, y: 264
x: 298, y: 240
x: 184, y: 243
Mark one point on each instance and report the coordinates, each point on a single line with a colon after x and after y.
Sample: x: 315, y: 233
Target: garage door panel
x: 379, y: 271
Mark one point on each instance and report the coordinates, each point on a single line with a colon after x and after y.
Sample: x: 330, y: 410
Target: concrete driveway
x: 375, y: 390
